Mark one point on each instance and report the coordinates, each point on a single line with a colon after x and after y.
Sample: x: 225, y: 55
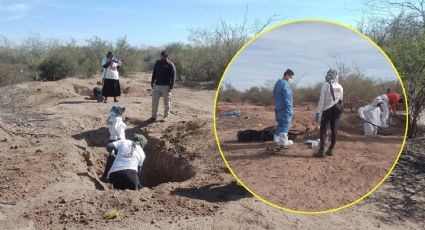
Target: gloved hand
x: 317, y: 117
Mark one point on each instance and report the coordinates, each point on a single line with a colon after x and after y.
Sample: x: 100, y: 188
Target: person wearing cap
x: 282, y: 94
x: 117, y: 132
x: 162, y: 83
x: 127, y: 166
x: 331, y: 94
x: 115, y: 124
x: 111, y: 84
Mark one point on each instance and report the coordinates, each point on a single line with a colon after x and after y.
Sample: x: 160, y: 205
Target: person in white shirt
x: 117, y: 132
x: 115, y: 123
x: 330, y: 105
x: 110, y: 80
x: 127, y: 167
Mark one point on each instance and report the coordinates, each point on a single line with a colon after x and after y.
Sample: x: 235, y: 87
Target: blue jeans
x: 284, y: 119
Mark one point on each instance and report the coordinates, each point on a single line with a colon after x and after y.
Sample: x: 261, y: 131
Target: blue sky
x: 153, y: 22
x: 309, y: 49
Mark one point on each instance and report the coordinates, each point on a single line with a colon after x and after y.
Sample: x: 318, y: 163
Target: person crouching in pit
x: 117, y: 132
x: 127, y: 167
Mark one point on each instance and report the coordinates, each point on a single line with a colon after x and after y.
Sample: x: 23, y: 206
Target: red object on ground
x: 90, y: 98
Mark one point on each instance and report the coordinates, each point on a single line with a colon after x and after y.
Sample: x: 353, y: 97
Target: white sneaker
x: 276, y: 138
x: 284, y: 141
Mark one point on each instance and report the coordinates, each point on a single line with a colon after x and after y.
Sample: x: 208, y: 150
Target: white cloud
x: 10, y: 12
x: 15, y: 8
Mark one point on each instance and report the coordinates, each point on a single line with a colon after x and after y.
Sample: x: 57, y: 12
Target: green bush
x: 56, y: 67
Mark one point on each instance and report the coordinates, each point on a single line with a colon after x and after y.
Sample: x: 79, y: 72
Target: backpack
x: 97, y: 93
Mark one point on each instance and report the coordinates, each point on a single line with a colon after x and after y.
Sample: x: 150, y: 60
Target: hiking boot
x: 329, y: 152
x: 319, y: 154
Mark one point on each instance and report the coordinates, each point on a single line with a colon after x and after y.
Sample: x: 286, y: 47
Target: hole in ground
x: 160, y: 166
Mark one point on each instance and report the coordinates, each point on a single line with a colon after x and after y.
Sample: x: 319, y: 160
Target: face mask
x: 290, y: 80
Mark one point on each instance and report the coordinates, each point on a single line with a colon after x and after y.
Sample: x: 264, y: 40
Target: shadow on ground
x: 214, y: 193
x: 405, y: 195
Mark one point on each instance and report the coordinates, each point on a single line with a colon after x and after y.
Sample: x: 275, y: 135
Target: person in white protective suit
x: 371, y: 115
x: 117, y: 132
x: 382, y: 102
x: 115, y: 124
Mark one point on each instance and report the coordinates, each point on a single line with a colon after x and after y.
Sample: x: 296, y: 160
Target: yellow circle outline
x: 215, y: 115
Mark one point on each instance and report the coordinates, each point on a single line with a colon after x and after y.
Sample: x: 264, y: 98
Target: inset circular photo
x: 310, y: 116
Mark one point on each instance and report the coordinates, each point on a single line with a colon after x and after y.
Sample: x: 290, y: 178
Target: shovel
x: 380, y: 128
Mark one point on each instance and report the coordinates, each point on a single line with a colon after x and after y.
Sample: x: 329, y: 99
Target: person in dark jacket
x: 163, y: 77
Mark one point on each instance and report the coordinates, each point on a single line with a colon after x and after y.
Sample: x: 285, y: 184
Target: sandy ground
x: 294, y: 179
x: 52, y: 153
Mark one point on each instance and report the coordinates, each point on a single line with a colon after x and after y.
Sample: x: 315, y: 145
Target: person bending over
x: 127, y: 167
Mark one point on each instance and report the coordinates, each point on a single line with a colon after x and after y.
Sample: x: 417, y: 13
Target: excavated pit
x: 160, y: 166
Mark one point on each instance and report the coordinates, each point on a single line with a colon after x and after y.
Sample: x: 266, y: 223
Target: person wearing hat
x: 127, y: 166
x: 115, y: 124
x: 117, y: 132
x: 162, y: 83
x: 330, y: 105
x: 111, y: 84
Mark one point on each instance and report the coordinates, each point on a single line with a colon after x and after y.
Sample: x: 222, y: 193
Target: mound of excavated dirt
x: 135, y: 91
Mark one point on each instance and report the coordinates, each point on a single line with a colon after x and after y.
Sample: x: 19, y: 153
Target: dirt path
x: 294, y: 179
x: 52, y: 153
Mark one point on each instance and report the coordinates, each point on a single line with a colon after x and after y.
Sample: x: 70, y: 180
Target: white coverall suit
x: 383, y: 99
x: 372, y: 114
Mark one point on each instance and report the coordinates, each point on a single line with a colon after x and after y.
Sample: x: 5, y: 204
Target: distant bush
x: 202, y: 59
x: 229, y: 94
x: 56, y: 67
x: 358, y: 88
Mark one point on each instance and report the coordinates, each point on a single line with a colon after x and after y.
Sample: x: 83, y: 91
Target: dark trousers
x: 109, y: 161
x: 329, y: 117
x: 125, y: 179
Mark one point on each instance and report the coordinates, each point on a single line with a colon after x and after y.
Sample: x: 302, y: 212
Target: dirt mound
x: 83, y: 90
x: 136, y: 91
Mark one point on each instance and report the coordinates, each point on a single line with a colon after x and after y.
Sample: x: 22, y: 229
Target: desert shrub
x: 307, y: 93
x: 13, y: 73
x: 229, y: 94
x: 57, y: 66
x: 258, y: 96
